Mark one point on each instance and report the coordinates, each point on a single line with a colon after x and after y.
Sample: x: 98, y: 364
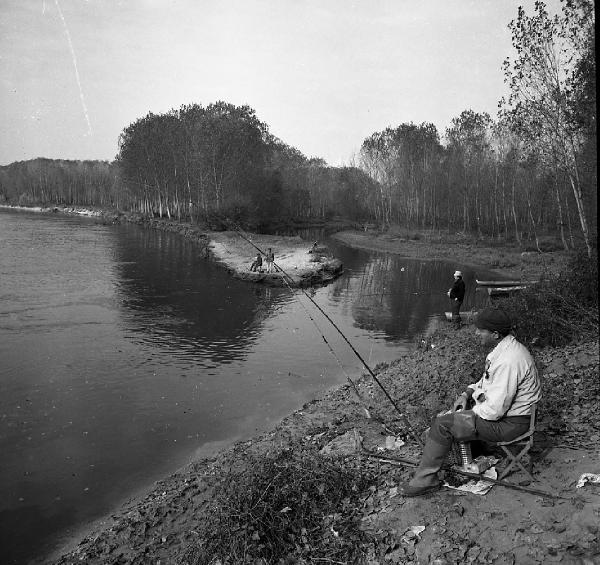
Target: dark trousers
x: 465, y: 425
x: 456, y: 304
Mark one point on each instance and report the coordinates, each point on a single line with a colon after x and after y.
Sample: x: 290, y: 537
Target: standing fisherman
x: 270, y: 258
x: 457, y: 295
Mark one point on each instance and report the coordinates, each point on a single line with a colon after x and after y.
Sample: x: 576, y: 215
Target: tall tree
x: 402, y: 161
x: 548, y: 78
x: 469, y: 144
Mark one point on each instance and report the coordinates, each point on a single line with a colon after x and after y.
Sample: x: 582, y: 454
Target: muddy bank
x: 509, y: 262
x: 504, y: 526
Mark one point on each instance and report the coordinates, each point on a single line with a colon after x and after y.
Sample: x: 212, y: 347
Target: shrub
x: 559, y: 309
x: 288, y: 507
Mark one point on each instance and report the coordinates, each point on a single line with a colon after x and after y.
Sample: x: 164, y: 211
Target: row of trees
x: 221, y: 160
x: 531, y: 170
x: 61, y: 182
x: 197, y: 164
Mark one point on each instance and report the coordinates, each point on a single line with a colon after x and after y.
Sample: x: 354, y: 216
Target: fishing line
x: 358, y: 355
x: 352, y: 383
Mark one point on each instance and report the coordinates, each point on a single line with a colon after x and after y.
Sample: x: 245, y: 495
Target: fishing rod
x: 358, y: 355
x: 402, y: 293
x: 352, y: 383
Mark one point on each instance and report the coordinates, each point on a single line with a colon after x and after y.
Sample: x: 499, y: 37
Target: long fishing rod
x: 401, y: 294
x: 352, y: 383
x: 358, y: 355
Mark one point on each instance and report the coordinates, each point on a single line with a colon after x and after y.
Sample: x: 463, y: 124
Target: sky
x: 322, y: 74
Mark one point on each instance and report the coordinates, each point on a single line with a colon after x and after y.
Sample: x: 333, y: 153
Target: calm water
x: 124, y: 355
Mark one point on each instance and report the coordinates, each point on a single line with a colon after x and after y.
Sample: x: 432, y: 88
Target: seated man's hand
x: 460, y: 403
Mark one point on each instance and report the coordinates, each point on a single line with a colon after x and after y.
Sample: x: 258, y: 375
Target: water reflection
x: 394, y: 297
x: 173, y: 298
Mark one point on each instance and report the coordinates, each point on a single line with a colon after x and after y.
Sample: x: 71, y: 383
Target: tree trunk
x: 580, y: 208
x: 561, y: 222
x: 514, y: 213
x: 533, y: 226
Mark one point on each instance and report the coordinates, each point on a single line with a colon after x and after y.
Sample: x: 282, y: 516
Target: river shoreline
x: 295, y: 264
x: 506, y: 260
x: 229, y: 249
x: 505, y: 526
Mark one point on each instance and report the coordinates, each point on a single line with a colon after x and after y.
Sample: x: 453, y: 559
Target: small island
x: 297, y: 264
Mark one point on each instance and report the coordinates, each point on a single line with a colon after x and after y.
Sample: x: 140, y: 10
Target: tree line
x: 529, y: 171
x: 533, y: 169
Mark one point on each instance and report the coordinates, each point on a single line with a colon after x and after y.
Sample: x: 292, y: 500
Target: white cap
x: 458, y: 273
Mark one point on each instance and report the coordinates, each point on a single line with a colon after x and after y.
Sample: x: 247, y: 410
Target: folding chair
x: 524, y: 443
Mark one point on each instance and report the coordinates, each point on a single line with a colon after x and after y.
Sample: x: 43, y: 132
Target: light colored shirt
x: 510, y: 383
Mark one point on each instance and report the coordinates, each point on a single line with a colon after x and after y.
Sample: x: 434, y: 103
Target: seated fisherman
x: 502, y: 402
x: 257, y: 263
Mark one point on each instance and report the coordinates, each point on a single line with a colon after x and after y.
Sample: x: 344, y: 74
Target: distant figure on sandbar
x: 270, y: 258
x: 457, y: 295
x: 257, y: 263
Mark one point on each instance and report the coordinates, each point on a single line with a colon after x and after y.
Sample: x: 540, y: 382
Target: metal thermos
x: 467, y: 458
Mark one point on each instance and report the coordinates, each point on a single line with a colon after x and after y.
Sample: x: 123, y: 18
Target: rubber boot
x: 456, y: 321
x: 425, y: 478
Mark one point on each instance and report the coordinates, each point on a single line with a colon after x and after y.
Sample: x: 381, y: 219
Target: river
x: 124, y: 355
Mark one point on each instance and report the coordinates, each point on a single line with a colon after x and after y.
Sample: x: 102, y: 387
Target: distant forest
x: 531, y: 170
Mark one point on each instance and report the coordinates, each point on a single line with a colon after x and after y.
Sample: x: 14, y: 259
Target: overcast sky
x: 323, y: 74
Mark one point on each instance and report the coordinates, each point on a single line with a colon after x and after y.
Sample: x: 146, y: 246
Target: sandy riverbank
x: 504, y: 526
x: 294, y: 265
x: 77, y: 210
